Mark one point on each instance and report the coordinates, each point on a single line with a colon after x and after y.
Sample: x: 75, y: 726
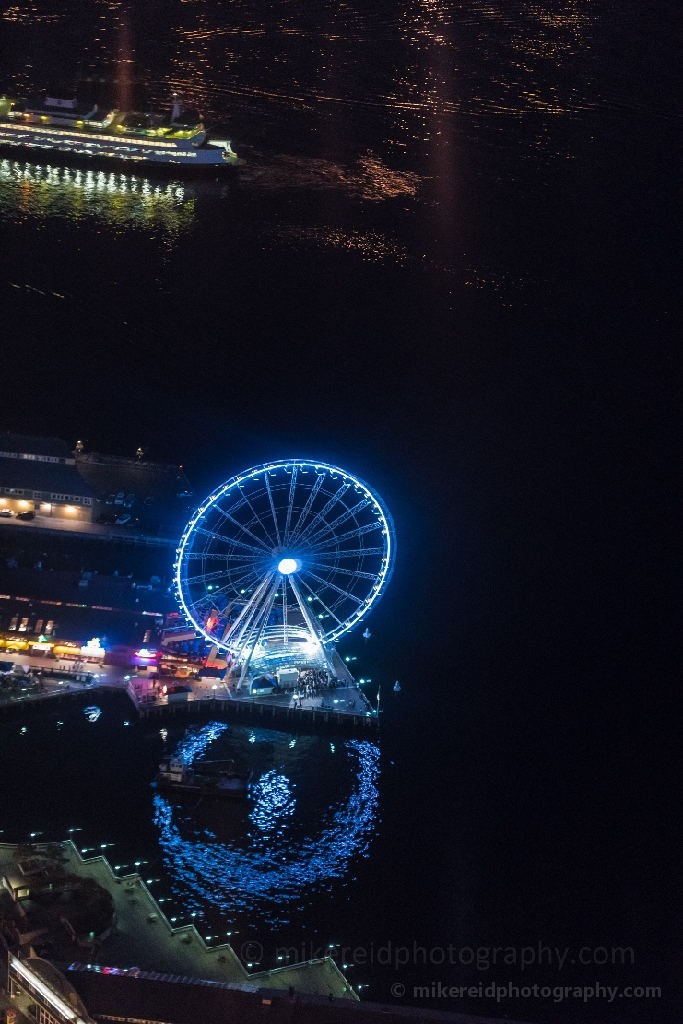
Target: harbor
x: 139, y: 934
x: 369, y: 358
x: 346, y: 708
x: 237, y: 737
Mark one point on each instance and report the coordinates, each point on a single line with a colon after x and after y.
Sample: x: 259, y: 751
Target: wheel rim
x: 284, y: 559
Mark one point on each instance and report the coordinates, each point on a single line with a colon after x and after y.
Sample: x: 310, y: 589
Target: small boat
x: 212, y: 778
x: 367, y: 634
x: 397, y: 687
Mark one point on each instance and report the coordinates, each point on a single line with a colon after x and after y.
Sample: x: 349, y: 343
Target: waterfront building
x: 41, y: 992
x: 141, y: 997
x: 39, y: 479
x: 85, y: 539
x: 43, y: 482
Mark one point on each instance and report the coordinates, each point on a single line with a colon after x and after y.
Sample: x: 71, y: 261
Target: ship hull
x: 135, y: 155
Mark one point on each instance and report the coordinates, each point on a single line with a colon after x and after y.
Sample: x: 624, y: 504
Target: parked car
x: 6, y: 513
x: 122, y: 520
x: 26, y: 515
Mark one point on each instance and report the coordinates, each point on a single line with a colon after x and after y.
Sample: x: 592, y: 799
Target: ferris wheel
x: 281, y: 561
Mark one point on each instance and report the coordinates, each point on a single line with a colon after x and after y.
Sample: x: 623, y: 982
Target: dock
x: 346, y: 707
x: 142, y: 937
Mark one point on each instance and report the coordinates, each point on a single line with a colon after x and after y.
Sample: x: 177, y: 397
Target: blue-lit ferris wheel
x: 281, y: 561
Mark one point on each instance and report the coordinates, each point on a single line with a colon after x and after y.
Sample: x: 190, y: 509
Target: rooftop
x: 41, y: 464
x: 186, y: 1001
x: 51, y: 447
x: 148, y: 481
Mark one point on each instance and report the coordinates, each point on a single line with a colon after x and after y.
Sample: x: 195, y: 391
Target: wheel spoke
x: 206, y: 576
x: 208, y: 554
x: 228, y: 540
x: 323, y: 512
x: 320, y: 600
x: 339, y: 590
x: 307, y: 507
x: 233, y: 508
x: 346, y: 572
x: 272, y: 506
x: 250, y: 576
x: 258, y: 519
x: 292, y: 488
x: 355, y: 533
x: 246, y: 529
x: 247, y: 612
x: 268, y: 604
x: 343, y: 518
x: 313, y: 627
x: 230, y: 566
x: 336, y: 553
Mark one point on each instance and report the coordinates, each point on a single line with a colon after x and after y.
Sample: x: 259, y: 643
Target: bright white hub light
x: 287, y: 566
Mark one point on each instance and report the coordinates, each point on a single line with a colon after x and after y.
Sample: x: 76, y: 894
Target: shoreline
x: 142, y: 937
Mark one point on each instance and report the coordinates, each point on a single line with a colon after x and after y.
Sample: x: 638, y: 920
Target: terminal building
x: 44, y: 483
x: 86, y: 540
x: 90, y: 994
x: 39, y: 478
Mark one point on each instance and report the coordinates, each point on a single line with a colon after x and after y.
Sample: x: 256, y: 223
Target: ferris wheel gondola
x: 281, y: 561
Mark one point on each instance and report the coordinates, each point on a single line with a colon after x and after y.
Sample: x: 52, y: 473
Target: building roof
x: 42, y: 464
x: 46, y: 477
x: 157, y: 495
x: 148, y: 481
x: 124, y: 997
x: 27, y: 444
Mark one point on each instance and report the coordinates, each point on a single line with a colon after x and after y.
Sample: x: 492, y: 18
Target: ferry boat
x: 65, y: 126
x: 212, y: 778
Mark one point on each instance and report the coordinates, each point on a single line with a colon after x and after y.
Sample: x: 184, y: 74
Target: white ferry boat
x: 64, y: 126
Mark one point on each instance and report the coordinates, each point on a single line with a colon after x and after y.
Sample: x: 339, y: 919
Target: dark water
x: 450, y: 265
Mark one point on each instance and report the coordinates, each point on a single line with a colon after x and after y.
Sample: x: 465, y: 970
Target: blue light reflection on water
x: 273, y: 801
x: 195, y: 742
x: 273, y: 864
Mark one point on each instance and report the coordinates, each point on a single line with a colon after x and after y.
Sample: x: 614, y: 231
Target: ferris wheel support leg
x: 267, y: 606
x: 311, y: 626
x: 240, y: 624
x: 251, y: 624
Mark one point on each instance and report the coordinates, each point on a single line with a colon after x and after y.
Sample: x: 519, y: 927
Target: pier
x: 142, y: 937
x: 347, y: 707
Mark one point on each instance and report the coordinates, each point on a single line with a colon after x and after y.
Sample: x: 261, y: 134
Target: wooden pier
x: 265, y: 711
x: 261, y: 711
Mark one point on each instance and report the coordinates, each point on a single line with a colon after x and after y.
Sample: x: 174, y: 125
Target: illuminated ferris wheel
x: 281, y: 561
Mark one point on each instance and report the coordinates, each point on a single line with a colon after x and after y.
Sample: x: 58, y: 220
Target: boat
x: 397, y: 687
x: 212, y: 778
x: 67, y: 127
